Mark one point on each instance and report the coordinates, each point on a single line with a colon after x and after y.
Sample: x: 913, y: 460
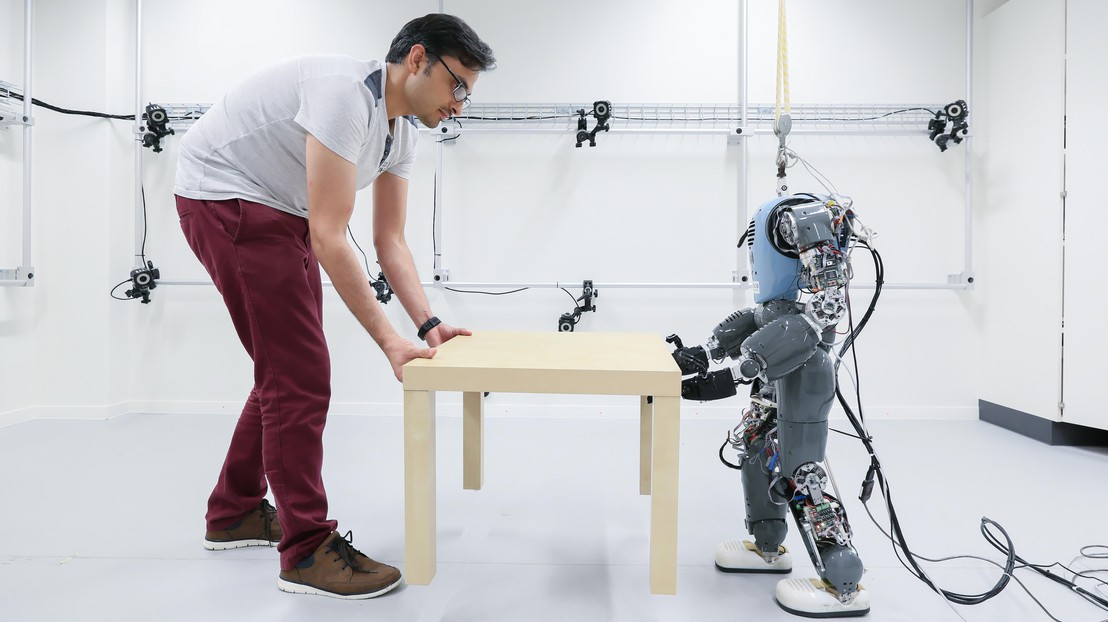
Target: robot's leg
x: 804, y: 400
x: 766, y: 493
x: 765, y: 520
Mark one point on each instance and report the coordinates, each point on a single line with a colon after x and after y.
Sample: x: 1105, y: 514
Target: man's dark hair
x: 443, y: 35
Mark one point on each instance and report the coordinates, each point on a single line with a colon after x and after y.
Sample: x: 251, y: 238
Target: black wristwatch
x: 427, y: 326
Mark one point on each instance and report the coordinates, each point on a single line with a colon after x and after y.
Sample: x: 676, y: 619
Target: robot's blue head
x: 773, y: 258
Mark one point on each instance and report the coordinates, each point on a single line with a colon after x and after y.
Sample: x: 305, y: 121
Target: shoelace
x: 344, y: 548
x: 269, y: 514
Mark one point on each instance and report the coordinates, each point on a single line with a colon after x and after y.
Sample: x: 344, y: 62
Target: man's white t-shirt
x: 251, y: 145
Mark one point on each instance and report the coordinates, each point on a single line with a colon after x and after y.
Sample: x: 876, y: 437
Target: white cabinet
x: 1085, y: 345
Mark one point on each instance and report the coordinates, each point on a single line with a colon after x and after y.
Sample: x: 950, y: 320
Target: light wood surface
x: 517, y: 362
x: 520, y: 362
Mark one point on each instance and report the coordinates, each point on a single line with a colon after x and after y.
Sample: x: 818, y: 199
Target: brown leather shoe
x: 257, y: 528
x: 339, y: 570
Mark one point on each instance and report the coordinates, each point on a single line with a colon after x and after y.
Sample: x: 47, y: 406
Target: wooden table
x: 522, y: 362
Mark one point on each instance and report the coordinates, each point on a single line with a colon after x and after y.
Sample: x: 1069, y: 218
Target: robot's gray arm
x: 774, y: 350
x: 726, y: 340
x: 728, y: 335
x: 779, y: 347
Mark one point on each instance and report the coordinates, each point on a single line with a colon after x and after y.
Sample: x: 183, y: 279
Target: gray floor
x: 102, y: 520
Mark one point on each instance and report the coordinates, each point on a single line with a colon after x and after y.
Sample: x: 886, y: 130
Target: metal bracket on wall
x: 446, y: 133
x: 22, y: 276
x: 965, y: 279
x: 736, y: 137
x: 11, y: 107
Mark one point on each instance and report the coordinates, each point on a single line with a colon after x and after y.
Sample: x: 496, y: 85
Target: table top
x: 549, y: 362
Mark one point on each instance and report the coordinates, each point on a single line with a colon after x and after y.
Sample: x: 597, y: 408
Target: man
x: 265, y: 188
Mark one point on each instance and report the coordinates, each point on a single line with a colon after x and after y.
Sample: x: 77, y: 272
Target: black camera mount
x: 602, y: 110
x: 156, y: 127
x: 956, y: 114
x: 382, y: 287
x: 143, y: 279
x: 569, y: 320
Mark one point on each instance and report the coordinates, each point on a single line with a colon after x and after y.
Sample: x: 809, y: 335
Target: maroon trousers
x: 262, y: 263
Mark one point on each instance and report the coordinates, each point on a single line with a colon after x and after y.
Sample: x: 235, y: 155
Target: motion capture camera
x: 956, y: 113
x: 156, y: 127
x: 602, y: 110
x: 569, y: 320
x: 382, y: 288
x: 143, y: 280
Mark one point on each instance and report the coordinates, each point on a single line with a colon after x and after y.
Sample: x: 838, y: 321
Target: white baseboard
x: 64, y: 412
x: 19, y: 415
x: 452, y: 408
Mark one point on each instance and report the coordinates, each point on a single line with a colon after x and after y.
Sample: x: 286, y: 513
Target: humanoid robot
x: 782, y: 347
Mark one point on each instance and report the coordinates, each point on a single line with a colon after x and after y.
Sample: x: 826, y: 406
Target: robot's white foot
x: 743, y: 556
x: 812, y: 598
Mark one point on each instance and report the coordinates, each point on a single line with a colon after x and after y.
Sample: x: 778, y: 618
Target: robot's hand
x: 691, y: 360
x: 706, y: 387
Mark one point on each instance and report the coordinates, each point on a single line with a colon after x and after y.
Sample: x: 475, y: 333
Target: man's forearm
x: 399, y: 268
x: 341, y: 264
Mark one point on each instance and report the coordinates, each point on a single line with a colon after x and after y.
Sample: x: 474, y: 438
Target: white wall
x: 16, y: 304
x: 636, y: 208
x: 1019, y: 215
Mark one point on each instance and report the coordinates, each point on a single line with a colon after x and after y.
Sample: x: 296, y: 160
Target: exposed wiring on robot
x: 1099, y: 602
x: 905, y: 555
x: 792, y: 157
x: 875, y: 470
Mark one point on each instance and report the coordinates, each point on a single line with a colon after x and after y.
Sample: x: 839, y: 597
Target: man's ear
x: 416, y: 55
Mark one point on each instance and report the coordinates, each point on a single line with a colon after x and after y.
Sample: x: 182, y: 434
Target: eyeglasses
x: 460, y: 92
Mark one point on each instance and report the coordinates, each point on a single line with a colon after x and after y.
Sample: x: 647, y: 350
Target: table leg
x: 646, y: 430
x: 473, y: 440
x: 663, y: 500
x: 419, y: 487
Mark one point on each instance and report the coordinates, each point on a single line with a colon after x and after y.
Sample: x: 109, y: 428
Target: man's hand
x: 443, y: 333
x: 400, y: 351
